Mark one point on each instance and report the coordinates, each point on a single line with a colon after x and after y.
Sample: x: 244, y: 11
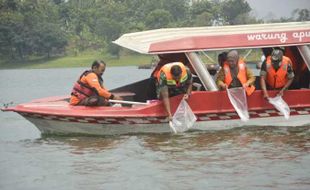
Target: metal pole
x: 305, y: 53
x: 202, y: 71
x: 128, y: 102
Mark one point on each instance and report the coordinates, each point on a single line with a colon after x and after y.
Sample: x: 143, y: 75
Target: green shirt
x: 173, y: 90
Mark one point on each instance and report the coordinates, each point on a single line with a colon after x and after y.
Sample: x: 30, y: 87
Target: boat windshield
x: 212, y: 61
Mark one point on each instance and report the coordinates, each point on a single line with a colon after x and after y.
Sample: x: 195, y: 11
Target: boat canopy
x: 173, y: 40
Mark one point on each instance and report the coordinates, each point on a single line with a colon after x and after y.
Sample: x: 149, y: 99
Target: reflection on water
x: 241, y: 137
x: 81, y: 145
x: 253, y: 158
x: 244, y: 158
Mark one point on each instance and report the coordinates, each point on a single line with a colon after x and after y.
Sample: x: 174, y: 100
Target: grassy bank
x: 82, y: 60
x: 85, y: 59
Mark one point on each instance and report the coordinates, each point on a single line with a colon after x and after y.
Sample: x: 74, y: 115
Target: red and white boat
x: 212, y: 107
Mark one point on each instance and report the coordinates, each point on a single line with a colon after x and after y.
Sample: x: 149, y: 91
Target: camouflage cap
x: 276, y: 55
x: 233, y: 54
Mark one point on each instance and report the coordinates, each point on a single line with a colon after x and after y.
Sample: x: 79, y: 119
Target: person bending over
x: 173, y: 79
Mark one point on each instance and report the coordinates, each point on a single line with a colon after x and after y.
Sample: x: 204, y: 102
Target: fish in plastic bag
x: 280, y: 105
x: 183, y: 119
x: 238, y: 99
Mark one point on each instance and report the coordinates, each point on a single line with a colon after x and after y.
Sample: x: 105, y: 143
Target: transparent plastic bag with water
x: 280, y: 105
x: 183, y: 119
x: 238, y: 99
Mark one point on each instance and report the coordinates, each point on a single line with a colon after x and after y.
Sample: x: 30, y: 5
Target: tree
x: 49, y: 39
x: 205, y: 13
x: 297, y: 15
x: 179, y: 9
x: 11, y: 23
x: 158, y: 18
x: 24, y: 31
x: 48, y: 27
x: 110, y: 30
x: 246, y: 19
x: 301, y: 14
x: 232, y: 9
x: 204, y: 19
x: 199, y: 7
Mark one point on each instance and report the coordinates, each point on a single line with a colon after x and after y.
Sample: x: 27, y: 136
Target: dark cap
x: 176, y: 70
x: 276, y: 55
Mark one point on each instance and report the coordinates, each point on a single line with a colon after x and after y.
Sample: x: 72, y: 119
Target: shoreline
x: 84, y: 60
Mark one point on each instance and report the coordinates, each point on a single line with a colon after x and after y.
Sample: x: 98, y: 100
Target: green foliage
x: 84, y: 59
x: 30, y: 27
x: 232, y: 9
x: 179, y: 9
x: 297, y: 15
x: 159, y: 18
x: 302, y: 14
x: 49, y: 28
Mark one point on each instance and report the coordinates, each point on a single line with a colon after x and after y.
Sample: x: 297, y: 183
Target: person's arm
x: 164, y: 94
x: 263, y: 86
x: 92, y: 81
x: 188, y: 91
x: 285, y: 87
x: 263, y: 73
x: 165, y: 97
x: 220, y: 79
x: 190, y: 86
x: 290, y: 76
x: 250, y: 77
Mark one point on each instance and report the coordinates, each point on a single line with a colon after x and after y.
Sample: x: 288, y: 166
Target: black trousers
x: 94, y: 101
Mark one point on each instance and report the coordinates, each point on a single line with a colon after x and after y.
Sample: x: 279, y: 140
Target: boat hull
x: 59, y: 127
x: 213, y: 110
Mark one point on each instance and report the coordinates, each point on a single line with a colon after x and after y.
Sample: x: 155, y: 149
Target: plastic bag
x: 238, y: 99
x: 280, y: 105
x: 183, y: 119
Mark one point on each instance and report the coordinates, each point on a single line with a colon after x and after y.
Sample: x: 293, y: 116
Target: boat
x: 142, y: 113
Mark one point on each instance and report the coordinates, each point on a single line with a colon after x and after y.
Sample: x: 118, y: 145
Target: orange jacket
x: 277, y: 79
x: 91, y: 80
x: 242, y: 76
x: 167, y: 68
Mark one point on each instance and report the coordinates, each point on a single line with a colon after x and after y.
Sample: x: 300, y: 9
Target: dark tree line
x: 54, y: 27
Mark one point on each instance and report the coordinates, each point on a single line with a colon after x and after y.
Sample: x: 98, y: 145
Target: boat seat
x: 126, y: 95
x: 196, y: 86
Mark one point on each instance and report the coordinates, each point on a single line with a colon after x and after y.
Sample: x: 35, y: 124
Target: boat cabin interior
x: 204, y: 66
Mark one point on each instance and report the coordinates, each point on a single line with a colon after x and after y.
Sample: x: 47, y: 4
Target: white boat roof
x: 172, y: 40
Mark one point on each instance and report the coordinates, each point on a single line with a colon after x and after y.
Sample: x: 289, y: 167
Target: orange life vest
x: 82, y: 90
x: 242, y: 76
x: 277, y: 79
x: 166, y: 70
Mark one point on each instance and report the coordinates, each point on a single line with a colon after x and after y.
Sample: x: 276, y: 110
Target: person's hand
x: 245, y: 85
x: 280, y: 93
x: 223, y: 86
x: 185, y: 97
x: 117, y: 98
x: 169, y: 117
x: 266, y: 96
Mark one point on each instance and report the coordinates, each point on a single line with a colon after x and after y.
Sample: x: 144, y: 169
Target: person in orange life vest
x: 173, y: 79
x: 235, y: 73
x: 89, y: 89
x: 277, y: 73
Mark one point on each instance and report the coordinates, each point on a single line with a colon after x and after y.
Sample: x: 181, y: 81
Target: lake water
x: 245, y: 158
